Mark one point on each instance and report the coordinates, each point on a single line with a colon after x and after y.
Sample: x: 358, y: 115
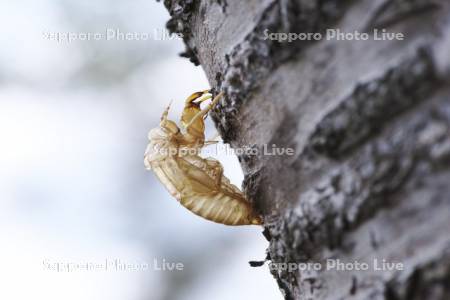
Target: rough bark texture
x: 370, y: 125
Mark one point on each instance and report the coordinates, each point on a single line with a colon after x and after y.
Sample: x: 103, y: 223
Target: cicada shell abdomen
x: 212, y: 196
x: 220, y: 207
x: 198, y: 192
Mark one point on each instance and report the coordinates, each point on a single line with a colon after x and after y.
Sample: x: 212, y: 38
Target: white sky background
x: 73, y: 124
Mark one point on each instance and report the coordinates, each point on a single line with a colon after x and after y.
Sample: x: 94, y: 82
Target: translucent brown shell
x: 197, y: 183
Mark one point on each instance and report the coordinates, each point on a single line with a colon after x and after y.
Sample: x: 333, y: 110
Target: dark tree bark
x: 370, y: 125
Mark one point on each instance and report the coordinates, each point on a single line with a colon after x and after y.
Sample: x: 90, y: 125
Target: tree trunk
x: 369, y: 122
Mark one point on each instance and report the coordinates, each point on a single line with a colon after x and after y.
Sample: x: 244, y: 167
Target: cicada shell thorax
x: 157, y: 148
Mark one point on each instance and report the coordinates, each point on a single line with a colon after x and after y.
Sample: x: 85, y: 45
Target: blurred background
x: 74, y: 117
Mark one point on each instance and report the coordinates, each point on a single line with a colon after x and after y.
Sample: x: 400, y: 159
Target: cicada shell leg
x: 204, y: 111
